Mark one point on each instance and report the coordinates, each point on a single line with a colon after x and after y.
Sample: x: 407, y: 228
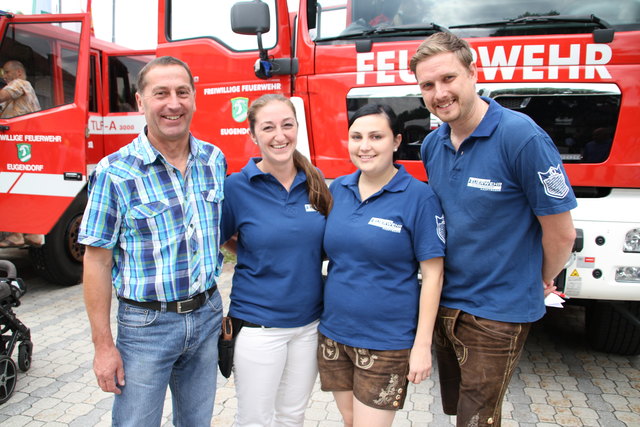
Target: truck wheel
x: 609, y: 331
x: 59, y: 260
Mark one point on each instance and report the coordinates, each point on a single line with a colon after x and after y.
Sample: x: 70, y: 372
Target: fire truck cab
x: 85, y: 88
x: 573, y: 66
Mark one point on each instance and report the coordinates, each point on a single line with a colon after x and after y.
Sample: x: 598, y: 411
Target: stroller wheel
x: 8, y: 378
x: 24, y: 355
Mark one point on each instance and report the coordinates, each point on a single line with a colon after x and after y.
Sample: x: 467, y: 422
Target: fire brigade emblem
x: 24, y: 152
x: 554, y: 183
x: 440, y: 228
x: 239, y: 107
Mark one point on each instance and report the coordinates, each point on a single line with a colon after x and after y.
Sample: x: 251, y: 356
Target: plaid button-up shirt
x: 163, y: 227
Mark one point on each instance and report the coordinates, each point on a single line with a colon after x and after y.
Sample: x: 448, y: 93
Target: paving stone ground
x: 559, y: 381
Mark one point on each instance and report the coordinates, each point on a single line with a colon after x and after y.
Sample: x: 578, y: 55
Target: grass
x: 228, y: 256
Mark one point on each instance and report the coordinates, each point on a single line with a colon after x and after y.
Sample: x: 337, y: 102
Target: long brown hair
x: 319, y: 194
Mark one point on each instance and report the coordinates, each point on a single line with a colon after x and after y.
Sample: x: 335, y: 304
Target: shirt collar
x: 490, y: 120
x: 399, y: 182
x: 149, y: 154
x: 485, y: 128
x: 252, y: 171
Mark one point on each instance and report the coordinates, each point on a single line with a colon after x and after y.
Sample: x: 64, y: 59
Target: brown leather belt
x: 182, y: 307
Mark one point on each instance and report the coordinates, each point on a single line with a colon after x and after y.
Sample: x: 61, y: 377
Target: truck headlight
x: 632, y: 241
x: 628, y: 274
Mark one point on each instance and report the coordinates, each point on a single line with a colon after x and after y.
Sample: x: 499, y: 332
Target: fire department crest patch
x: 24, y: 152
x: 554, y: 183
x: 239, y: 108
x: 440, y: 228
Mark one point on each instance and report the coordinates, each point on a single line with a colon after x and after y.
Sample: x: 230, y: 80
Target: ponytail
x: 319, y: 194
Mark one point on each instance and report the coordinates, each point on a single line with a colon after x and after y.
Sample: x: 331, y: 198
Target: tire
x: 609, y: 331
x: 8, y: 378
x: 24, y: 355
x: 59, y: 260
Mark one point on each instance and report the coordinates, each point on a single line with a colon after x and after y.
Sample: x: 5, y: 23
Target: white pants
x: 274, y: 371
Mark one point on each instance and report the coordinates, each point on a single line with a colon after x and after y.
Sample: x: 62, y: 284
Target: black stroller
x: 12, y: 331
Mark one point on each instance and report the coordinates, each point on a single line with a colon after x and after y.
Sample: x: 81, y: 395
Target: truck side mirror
x: 250, y: 17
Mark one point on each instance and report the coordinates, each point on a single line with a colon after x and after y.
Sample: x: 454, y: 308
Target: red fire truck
x: 85, y: 88
x: 573, y: 66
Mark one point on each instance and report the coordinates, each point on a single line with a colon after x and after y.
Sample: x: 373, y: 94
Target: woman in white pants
x: 274, y: 212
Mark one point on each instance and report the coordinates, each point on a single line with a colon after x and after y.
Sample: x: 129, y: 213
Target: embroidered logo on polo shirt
x: 484, y: 184
x: 554, y: 183
x: 385, y: 224
x: 440, y: 228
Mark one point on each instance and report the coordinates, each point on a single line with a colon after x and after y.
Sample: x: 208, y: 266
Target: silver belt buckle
x: 179, y: 304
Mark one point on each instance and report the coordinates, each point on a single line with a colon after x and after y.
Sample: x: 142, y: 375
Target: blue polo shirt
x: 507, y: 172
x: 278, y: 276
x: 374, y: 247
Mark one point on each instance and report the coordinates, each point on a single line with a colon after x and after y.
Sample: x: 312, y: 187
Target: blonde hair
x: 441, y: 43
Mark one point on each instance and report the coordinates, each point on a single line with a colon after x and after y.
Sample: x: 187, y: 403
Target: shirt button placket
x: 192, y: 240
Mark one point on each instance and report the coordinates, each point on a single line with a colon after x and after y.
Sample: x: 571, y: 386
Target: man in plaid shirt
x: 151, y: 227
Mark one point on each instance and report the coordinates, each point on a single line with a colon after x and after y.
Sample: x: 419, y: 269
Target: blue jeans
x: 476, y: 359
x: 160, y: 348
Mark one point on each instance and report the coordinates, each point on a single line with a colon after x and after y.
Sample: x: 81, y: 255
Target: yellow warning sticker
x: 575, y: 273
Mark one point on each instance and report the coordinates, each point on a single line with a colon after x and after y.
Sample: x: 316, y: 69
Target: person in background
x: 276, y: 208
x: 18, y: 98
x: 151, y: 227
x: 377, y: 322
x: 507, y: 201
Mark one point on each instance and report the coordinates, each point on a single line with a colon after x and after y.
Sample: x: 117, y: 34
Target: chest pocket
x: 156, y: 220
x: 210, y: 210
x: 213, y: 196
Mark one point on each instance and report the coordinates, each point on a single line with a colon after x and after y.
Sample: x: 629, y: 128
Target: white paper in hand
x: 553, y: 300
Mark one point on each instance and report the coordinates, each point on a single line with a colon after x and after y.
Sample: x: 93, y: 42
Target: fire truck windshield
x: 471, y: 18
x: 212, y: 20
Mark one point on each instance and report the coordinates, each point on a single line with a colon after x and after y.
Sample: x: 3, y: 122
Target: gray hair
x: 161, y: 61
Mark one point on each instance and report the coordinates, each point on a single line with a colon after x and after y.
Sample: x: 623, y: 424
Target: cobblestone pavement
x: 559, y: 381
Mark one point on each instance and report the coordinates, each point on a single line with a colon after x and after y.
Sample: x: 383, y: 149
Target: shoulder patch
x: 554, y: 183
x: 440, y: 228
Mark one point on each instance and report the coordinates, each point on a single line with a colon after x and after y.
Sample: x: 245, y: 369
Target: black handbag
x: 230, y: 329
